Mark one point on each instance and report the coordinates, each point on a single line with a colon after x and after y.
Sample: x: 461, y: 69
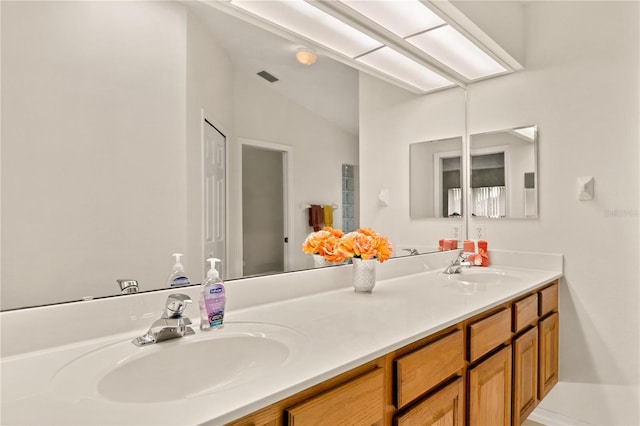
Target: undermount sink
x: 480, y: 275
x: 477, y: 279
x: 181, y: 368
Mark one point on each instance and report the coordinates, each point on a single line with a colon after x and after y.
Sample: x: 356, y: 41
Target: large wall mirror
x: 435, y: 181
x: 503, y: 173
x: 102, y: 126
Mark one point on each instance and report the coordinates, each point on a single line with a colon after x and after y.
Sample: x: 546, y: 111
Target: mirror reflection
x: 108, y: 109
x: 504, y: 174
x: 435, y: 178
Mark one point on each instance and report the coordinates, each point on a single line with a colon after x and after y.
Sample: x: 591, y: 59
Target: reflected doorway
x: 264, y: 207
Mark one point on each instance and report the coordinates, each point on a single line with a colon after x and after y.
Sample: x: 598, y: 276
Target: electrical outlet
x: 455, y: 232
x: 479, y: 231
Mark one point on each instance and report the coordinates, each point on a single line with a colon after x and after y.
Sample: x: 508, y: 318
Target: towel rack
x: 308, y: 206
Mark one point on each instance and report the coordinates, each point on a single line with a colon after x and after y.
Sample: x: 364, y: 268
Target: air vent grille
x: 270, y: 78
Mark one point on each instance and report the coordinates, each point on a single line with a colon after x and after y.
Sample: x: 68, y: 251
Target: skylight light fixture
x: 306, y: 20
x: 403, y: 18
x: 396, y: 65
x: 451, y: 48
x: 407, y: 41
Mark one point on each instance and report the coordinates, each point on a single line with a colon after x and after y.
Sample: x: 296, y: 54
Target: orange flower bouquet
x: 325, y: 243
x: 365, y: 244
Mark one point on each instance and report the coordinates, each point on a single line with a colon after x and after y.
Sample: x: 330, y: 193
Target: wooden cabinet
x: 488, y: 333
x: 525, y: 375
x: 424, y: 368
x: 525, y: 312
x: 444, y: 408
x: 490, y: 390
x: 548, y: 353
x: 359, y: 401
x: 549, y: 299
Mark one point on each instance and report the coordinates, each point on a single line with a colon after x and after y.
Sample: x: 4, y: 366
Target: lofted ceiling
x: 328, y: 88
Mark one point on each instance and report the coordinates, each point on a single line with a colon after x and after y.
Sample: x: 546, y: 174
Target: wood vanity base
x: 491, y: 369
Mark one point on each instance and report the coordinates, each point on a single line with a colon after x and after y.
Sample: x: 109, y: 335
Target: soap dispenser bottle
x: 178, y: 277
x: 212, y: 299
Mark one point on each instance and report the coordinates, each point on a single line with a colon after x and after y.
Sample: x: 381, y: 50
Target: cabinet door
x: 443, y: 408
x: 358, y: 402
x: 490, y: 391
x: 525, y: 375
x: 548, y: 354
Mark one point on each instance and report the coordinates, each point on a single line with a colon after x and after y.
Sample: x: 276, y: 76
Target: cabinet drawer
x: 420, y: 370
x: 525, y: 312
x: 360, y: 400
x: 549, y: 299
x: 445, y: 407
x: 489, y: 333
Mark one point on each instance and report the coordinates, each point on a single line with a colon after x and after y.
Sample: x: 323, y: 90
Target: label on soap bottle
x: 214, y: 304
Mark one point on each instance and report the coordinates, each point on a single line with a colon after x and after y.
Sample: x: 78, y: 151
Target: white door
x: 214, y: 155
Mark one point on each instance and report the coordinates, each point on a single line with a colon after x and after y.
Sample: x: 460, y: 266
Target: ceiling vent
x: 270, y: 78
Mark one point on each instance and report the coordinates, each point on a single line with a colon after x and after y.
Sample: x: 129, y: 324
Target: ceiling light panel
x: 401, y: 17
x: 451, y: 48
x: 301, y: 18
x: 398, y: 66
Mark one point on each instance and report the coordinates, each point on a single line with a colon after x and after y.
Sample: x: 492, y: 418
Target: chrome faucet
x: 171, y: 324
x: 456, y: 266
x: 128, y: 286
x: 412, y: 251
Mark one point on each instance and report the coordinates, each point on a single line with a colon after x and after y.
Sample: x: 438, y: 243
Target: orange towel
x: 327, y: 215
x: 315, y: 217
x: 477, y: 251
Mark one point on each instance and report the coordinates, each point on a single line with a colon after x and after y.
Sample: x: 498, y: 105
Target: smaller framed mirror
x: 504, y: 174
x: 435, y: 178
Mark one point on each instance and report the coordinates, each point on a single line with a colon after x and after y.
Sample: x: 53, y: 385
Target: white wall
x: 319, y: 150
x: 390, y: 120
x: 113, y: 223
x: 581, y: 87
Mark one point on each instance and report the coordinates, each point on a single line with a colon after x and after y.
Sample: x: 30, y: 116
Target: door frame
x: 287, y: 177
x: 204, y: 121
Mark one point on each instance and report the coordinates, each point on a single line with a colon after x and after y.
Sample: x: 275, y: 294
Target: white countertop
x: 340, y: 330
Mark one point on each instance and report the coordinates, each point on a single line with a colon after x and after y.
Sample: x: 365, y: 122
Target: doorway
x: 265, y: 207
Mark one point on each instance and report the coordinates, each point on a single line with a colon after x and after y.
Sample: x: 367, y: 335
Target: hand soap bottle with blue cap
x: 212, y: 299
x: 178, y: 277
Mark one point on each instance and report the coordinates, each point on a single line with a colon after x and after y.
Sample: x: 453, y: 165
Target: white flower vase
x: 364, y: 275
x: 319, y: 261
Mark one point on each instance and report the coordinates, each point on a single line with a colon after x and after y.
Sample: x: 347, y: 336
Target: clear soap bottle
x: 178, y: 277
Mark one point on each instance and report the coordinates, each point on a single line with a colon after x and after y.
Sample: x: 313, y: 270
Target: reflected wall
x: 391, y: 120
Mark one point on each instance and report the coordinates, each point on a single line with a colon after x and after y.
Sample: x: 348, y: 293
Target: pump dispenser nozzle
x: 213, y: 272
x: 178, y: 266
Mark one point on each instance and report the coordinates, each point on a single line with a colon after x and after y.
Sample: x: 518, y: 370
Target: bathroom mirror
x: 435, y: 178
x: 504, y: 174
x: 96, y: 168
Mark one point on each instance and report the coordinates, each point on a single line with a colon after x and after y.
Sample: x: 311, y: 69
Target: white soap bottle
x: 178, y: 277
x: 212, y: 299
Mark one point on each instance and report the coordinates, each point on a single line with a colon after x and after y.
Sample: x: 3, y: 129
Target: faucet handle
x: 176, y: 304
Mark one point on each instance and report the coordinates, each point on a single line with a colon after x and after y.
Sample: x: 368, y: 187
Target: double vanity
x: 425, y: 347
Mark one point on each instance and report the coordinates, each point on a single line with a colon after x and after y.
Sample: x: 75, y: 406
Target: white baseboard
x: 549, y: 418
